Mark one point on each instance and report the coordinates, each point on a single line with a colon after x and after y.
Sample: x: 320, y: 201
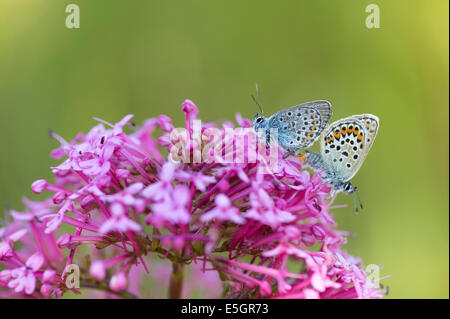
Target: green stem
x: 176, y: 281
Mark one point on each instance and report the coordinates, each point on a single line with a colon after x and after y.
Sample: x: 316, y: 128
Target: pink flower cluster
x: 118, y: 200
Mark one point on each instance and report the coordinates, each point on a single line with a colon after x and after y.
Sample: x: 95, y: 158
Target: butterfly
x: 344, y: 146
x: 297, y: 127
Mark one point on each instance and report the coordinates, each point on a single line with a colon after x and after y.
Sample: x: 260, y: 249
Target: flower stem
x: 176, y: 281
x: 104, y: 287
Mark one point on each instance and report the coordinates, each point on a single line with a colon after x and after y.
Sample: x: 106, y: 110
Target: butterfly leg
x: 288, y: 153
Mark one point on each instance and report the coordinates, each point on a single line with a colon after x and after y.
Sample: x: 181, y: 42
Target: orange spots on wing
x: 337, y: 135
x: 328, y: 140
x: 360, y: 137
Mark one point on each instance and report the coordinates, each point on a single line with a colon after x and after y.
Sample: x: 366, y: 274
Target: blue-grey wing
x: 301, y: 125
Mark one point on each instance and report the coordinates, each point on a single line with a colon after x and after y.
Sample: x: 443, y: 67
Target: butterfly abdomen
x: 315, y: 160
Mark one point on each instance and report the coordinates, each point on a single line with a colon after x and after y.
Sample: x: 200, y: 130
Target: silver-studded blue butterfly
x: 298, y: 127
x: 344, y: 146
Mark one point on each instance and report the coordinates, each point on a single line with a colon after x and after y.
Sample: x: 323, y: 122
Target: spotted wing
x: 346, y: 143
x: 299, y: 126
x: 371, y: 123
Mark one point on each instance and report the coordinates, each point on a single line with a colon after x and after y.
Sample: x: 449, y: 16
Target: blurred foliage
x: 146, y: 57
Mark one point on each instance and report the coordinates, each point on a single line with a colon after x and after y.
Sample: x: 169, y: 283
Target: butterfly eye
x: 347, y: 187
x: 259, y: 120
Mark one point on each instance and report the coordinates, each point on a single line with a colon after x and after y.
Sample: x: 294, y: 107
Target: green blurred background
x: 146, y: 57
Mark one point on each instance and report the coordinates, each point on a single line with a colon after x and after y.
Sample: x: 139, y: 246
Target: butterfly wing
x: 346, y: 143
x: 299, y: 126
x: 371, y: 123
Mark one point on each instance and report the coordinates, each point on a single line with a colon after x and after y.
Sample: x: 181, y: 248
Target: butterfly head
x: 349, y: 189
x: 259, y: 121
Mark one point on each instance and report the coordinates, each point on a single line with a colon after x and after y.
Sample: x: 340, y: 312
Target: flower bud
x: 118, y: 282
x: 97, y: 270
x: 39, y: 186
x: 318, y: 232
x: 59, y: 197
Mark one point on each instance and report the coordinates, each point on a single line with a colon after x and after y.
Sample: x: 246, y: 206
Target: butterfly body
x: 344, y: 146
x: 298, y: 126
x: 329, y: 174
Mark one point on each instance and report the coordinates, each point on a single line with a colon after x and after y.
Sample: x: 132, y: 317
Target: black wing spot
x: 352, y: 142
x: 332, y: 146
x: 289, y: 113
x: 349, y: 165
x: 355, y: 156
x: 338, y: 148
x: 342, y: 142
x: 299, y: 114
x: 345, y: 153
x: 327, y: 151
x: 347, y: 140
x: 355, y: 148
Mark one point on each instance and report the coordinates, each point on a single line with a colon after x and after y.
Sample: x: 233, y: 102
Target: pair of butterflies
x: 344, y: 144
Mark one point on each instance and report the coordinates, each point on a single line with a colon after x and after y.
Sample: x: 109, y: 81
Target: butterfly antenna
x: 359, y: 199
x: 259, y: 106
x: 260, y: 99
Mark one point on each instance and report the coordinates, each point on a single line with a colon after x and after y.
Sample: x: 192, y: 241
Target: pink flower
x: 159, y: 190
x: 172, y: 209
x: 55, y: 220
x: 6, y: 249
x: 118, y: 282
x: 98, y: 270
x: 198, y: 179
x: 223, y: 211
x: 119, y: 221
x: 38, y: 186
x: 165, y: 123
x: 265, y: 210
x: 116, y: 201
x: 189, y: 108
x: 23, y: 278
x: 127, y: 197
